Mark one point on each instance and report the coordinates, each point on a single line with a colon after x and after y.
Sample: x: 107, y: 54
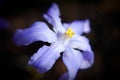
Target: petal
x: 38, y: 31
x: 88, y: 60
x: 87, y: 26
x: 72, y: 60
x: 46, y: 56
x: 78, y: 26
x: 82, y: 43
x: 52, y: 16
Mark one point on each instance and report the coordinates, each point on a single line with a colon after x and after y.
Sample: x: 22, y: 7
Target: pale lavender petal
x: 46, y: 56
x: 52, y: 16
x: 82, y: 43
x: 87, y: 26
x: 78, y: 27
x: 72, y: 60
x: 39, y: 31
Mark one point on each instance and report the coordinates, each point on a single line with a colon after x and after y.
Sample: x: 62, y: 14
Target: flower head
x: 66, y: 38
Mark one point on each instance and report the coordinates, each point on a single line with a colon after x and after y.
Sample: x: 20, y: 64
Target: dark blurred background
x: 104, y: 37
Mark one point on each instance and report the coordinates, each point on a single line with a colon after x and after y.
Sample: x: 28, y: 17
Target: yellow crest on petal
x: 69, y: 32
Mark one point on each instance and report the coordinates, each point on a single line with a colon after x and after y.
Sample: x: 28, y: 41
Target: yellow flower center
x: 69, y: 32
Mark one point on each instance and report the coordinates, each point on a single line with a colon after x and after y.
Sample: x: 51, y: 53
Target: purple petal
x: 82, y: 43
x: 78, y: 27
x: 38, y: 31
x: 72, y: 60
x: 46, y: 56
x: 52, y: 16
x: 88, y: 60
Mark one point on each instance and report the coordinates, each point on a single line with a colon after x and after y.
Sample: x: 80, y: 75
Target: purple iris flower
x: 66, y: 38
